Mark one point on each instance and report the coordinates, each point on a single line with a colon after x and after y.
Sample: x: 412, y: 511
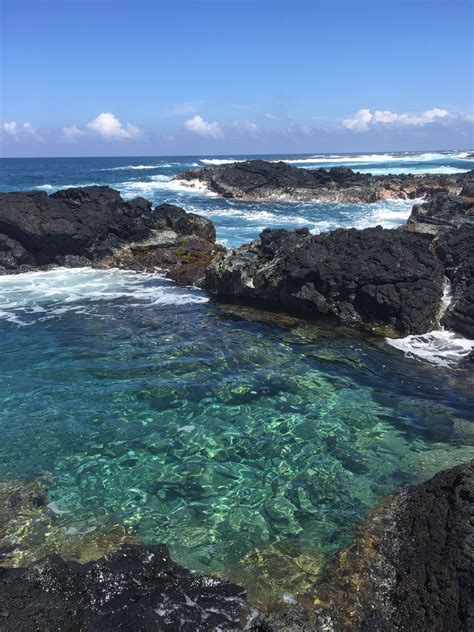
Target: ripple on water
x: 236, y: 443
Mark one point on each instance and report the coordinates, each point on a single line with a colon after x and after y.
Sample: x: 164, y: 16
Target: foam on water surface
x: 440, y: 347
x: 44, y: 295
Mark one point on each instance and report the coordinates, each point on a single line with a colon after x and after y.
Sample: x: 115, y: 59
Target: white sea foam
x: 441, y: 347
x: 45, y: 295
x: 163, y: 183
x: 161, y: 165
x: 384, y: 171
x: 371, y: 158
x: 127, y: 167
x: 222, y: 161
x: 51, y: 188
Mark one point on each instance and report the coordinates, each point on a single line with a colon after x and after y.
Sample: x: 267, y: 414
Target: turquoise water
x: 151, y: 406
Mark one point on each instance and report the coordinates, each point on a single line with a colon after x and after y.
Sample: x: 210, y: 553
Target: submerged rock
x: 409, y: 568
x: 137, y: 588
x: 263, y: 180
x: 30, y: 528
x: 94, y: 225
x: 383, y: 277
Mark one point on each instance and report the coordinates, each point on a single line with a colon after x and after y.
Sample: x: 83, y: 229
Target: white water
x: 439, y: 347
x: 44, y: 295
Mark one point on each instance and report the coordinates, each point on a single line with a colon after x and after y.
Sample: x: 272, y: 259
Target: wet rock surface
x: 263, y: 180
x: 138, y: 588
x: 411, y: 567
x: 443, y: 212
x: 408, y: 568
x: 95, y: 226
x: 379, y: 276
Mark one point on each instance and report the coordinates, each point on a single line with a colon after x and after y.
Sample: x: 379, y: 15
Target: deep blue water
x: 149, y: 406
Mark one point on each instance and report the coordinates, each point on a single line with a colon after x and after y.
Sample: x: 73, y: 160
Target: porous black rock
x: 455, y: 248
x: 183, y: 223
x: 443, y: 212
x: 412, y: 565
x: 376, y: 276
x: 264, y: 180
x: 94, y: 225
x: 137, y: 589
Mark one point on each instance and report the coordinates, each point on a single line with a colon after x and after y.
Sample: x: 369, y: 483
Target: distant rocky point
x: 260, y: 180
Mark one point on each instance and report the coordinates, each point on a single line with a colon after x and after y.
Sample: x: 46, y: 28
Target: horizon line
x: 237, y: 155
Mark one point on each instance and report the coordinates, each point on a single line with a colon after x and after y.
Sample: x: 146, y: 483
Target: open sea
x: 252, y: 450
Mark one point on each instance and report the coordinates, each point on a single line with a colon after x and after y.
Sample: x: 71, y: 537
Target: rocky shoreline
x: 408, y: 568
x: 397, y: 279
x: 260, y: 180
x: 410, y: 565
x: 94, y: 226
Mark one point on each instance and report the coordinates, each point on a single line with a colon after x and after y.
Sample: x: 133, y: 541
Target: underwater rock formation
x: 138, y: 588
x: 263, y: 180
x: 408, y: 568
x: 95, y: 226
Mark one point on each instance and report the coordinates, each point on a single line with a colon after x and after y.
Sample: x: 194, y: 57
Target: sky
x: 194, y: 77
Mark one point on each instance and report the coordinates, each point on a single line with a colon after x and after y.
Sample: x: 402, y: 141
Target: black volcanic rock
x: 412, y: 565
x: 183, y: 223
x: 377, y: 276
x: 263, y: 180
x: 12, y: 255
x: 138, y: 588
x: 443, y: 212
x: 94, y: 225
x: 455, y: 248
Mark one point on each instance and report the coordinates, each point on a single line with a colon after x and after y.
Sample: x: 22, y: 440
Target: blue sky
x: 116, y: 77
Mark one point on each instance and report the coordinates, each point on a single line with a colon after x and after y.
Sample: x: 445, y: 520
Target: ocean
x: 251, y: 449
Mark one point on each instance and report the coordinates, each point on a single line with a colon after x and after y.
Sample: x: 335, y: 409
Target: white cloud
x: 385, y: 117
x: 363, y: 119
x: 360, y: 121
x: 197, y: 125
x: 10, y: 128
x: 17, y: 131
x: 109, y: 127
x: 245, y: 127
x: 71, y: 133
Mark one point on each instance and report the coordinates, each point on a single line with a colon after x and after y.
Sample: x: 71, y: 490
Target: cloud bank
x: 364, y: 118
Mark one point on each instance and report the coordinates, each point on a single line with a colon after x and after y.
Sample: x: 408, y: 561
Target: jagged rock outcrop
x: 377, y: 276
x: 263, y: 180
x: 443, y: 212
x: 412, y: 567
x: 449, y: 220
x: 137, y: 588
x: 94, y: 225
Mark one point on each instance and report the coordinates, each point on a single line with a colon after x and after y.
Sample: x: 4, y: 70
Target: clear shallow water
x: 153, y: 407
